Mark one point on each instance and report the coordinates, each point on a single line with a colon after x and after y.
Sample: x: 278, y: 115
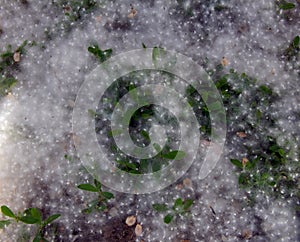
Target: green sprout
x: 7, y: 62
x: 102, y: 55
x: 292, y: 51
x: 29, y: 216
x: 100, y: 203
x: 286, y: 5
x: 75, y: 10
x: 180, y: 207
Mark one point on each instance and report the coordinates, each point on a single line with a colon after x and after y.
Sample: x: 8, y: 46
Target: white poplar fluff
x: 36, y: 118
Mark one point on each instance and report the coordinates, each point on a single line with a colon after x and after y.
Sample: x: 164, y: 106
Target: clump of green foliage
x: 7, y: 64
x: 29, y: 216
x: 139, y: 126
x: 154, y: 164
x: 102, y: 55
x: 267, y: 164
x: 284, y: 5
x: 100, y: 203
x: 265, y: 169
x: 75, y: 9
x: 179, y: 208
x: 292, y: 54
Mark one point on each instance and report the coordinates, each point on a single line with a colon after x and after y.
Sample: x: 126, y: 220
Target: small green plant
x: 286, y: 5
x: 292, y: 52
x: 180, y: 207
x: 9, y: 59
x: 75, y: 10
x: 102, y: 55
x: 164, y: 157
x: 6, y: 84
x: 266, y: 170
x: 29, y: 216
x: 100, y: 203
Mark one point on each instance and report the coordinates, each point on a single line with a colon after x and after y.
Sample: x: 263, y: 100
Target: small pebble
x: 138, y: 230
x: 132, y: 13
x: 244, y: 161
x: 187, y: 182
x: 241, y: 134
x: 224, y: 62
x: 246, y: 234
x: 17, y: 56
x: 130, y: 220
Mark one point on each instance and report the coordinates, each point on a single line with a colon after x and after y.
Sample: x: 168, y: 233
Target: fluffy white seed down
x: 35, y: 120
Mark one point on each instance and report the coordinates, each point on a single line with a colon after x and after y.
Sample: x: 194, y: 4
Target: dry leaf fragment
x: 241, y: 134
x: 67, y: 9
x: 98, y: 18
x: 205, y: 143
x: 178, y: 187
x: 133, y: 12
x: 246, y: 234
x: 187, y: 182
x: 138, y: 230
x: 17, y: 56
x: 273, y: 71
x: 244, y: 161
x: 130, y: 220
x: 224, y: 61
x: 76, y: 139
x: 185, y: 240
x: 224, y: 238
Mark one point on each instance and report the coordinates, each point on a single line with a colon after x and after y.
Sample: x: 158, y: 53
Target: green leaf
x: 281, y: 152
x: 7, y: 212
x: 215, y: 106
x: 93, y: 49
x: 88, y: 187
x: 92, y: 113
x: 237, y: 163
x: 266, y: 90
x: 102, y: 207
x: 178, y: 203
x: 21, y: 48
x: 39, y: 238
x: 168, y: 218
x: 29, y: 219
x: 287, y: 6
x: 131, y: 166
x: 133, y: 93
x: 156, y: 165
x: 244, y: 179
x: 157, y: 53
x: 176, y: 154
x: 4, y: 223
x: 97, y: 184
x: 6, y: 84
x: 296, y: 41
x: 87, y: 210
x: 7, y: 54
x: 157, y: 147
x: 115, y: 132
x: 187, y: 204
x: 106, y: 55
x: 107, y: 195
x: 50, y: 219
x: 145, y: 135
x: 100, y: 54
x: 34, y: 213
x: 160, y: 207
